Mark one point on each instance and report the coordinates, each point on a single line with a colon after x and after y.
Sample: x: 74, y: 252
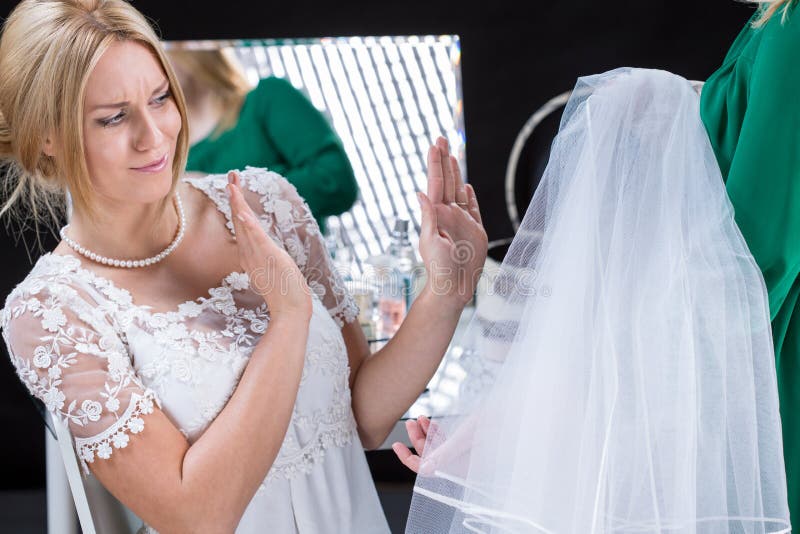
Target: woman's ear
x: 49, y: 148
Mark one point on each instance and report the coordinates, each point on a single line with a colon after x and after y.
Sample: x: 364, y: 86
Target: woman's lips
x: 155, y: 166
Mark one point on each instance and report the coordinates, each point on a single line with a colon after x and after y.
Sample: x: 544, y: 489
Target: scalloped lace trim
x: 312, y: 454
x: 117, y: 435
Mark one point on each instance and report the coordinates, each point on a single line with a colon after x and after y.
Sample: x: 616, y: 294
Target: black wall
x: 515, y: 56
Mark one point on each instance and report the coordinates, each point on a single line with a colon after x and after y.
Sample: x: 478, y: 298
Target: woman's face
x: 130, y: 125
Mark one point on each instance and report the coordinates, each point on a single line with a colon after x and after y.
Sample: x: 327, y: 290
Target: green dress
x: 280, y: 129
x: 751, y: 109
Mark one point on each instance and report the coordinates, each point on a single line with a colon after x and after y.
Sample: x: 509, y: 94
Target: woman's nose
x: 148, y: 134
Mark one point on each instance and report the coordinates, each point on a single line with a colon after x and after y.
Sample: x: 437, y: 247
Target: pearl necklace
x: 132, y: 263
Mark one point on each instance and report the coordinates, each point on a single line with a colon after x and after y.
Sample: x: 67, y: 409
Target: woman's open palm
x: 453, y: 242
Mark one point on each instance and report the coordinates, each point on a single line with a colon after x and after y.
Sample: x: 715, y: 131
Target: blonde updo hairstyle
x: 48, y: 49
x: 770, y: 8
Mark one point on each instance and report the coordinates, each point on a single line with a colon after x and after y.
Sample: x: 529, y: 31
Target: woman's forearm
x: 224, y: 468
x: 389, y: 381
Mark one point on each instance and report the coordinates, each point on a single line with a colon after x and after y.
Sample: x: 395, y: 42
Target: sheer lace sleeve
x: 285, y: 215
x: 69, y: 356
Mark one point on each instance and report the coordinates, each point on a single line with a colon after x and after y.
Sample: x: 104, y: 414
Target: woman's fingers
x: 447, y: 171
x: 240, y: 209
x: 435, y: 175
x: 472, y: 205
x: 425, y: 423
x: 461, y: 197
x: 416, y: 435
x: 239, y: 215
x: 444, y: 176
x: 253, y: 245
x: 417, y: 432
x: 236, y: 218
x: 408, y: 458
x: 272, y: 272
x: 429, y: 223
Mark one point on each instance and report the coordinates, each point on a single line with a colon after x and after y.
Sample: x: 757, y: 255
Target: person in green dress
x: 751, y: 109
x: 272, y: 125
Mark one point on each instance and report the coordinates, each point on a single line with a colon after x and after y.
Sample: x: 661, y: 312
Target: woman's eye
x: 111, y: 121
x: 160, y: 99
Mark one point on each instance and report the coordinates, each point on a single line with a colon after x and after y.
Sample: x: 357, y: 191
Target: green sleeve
x: 764, y: 177
x: 316, y: 163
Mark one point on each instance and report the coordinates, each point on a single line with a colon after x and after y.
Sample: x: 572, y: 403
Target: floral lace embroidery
x: 311, y: 454
x: 117, y: 434
x: 231, y: 345
x: 61, y: 348
x: 286, y: 221
x: 325, y: 359
x: 332, y: 425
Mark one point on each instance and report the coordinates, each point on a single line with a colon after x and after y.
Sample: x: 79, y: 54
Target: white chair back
x: 99, y: 512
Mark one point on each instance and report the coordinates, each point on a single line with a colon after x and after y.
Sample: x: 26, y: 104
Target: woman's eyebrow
x: 162, y: 86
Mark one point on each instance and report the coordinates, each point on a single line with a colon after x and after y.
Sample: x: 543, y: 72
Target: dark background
x: 515, y: 56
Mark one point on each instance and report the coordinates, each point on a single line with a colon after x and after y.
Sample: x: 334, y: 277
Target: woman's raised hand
x: 417, y: 434
x: 453, y: 242
x: 273, y: 273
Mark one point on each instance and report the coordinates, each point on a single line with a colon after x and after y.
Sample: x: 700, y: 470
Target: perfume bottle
x: 390, y: 295
x: 404, y: 260
x: 400, y: 247
x: 340, y: 253
x: 363, y: 293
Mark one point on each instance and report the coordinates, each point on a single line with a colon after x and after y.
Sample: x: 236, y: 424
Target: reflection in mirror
x: 387, y: 98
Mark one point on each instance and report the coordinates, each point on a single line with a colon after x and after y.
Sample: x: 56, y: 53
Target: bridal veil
x: 620, y: 375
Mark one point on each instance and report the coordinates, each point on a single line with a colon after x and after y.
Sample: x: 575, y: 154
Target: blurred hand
x: 453, y: 242
x: 417, y: 434
x: 273, y: 273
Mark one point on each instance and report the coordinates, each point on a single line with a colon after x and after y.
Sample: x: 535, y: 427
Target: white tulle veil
x: 620, y: 376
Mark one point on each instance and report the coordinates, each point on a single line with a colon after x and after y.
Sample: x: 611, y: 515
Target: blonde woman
x: 271, y: 125
x: 749, y: 107
x: 191, y: 331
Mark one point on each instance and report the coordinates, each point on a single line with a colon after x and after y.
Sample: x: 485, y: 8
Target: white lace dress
x: 100, y: 362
